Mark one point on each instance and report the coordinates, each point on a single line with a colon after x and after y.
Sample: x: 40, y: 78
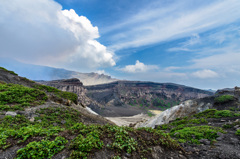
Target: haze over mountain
x: 37, y: 72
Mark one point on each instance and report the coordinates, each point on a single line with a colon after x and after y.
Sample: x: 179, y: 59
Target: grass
x: 16, y: 97
x: 61, y: 94
x: 224, y: 99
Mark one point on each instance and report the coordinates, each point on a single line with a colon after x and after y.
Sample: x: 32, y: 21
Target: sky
x: 190, y: 42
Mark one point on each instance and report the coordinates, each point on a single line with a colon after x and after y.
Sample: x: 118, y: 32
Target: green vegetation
x: 238, y: 132
x: 48, y: 134
x: 192, y: 129
x: 8, y: 71
x: 231, y: 125
x: 195, y: 133
x: 213, y: 113
x: 16, y: 97
x: 61, y: 94
x: 42, y: 149
x: 224, y: 99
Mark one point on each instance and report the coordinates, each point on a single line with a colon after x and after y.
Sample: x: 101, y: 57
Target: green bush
x: 238, y: 132
x: 224, y: 98
x: 61, y: 94
x: 42, y: 149
x: 14, y: 96
x: 199, y: 132
x: 223, y: 113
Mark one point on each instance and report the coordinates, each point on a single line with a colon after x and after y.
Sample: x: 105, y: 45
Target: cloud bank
x: 40, y: 32
x: 139, y: 67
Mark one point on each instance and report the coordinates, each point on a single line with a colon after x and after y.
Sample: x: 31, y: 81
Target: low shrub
x: 194, y: 134
x: 42, y: 149
x: 14, y: 96
x: 224, y: 99
x: 238, y: 132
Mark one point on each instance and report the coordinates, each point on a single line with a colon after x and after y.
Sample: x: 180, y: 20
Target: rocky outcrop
x: 186, y: 108
x: 191, y: 107
x: 73, y: 85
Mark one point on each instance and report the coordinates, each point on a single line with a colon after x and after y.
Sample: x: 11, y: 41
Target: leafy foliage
x: 195, y: 133
x: 213, y: 113
x: 14, y: 96
x: 42, y: 149
x: 238, y: 132
x: 224, y: 98
x: 61, y: 94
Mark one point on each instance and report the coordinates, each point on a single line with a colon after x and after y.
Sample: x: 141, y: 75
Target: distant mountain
x: 120, y: 97
x: 126, y: 98
x: 37, y: 72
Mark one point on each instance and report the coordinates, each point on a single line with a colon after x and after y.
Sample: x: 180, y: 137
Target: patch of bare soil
x: 131, y: 120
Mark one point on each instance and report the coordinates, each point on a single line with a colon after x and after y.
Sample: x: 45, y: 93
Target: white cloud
x: 40, y: 32
x: 178, y: 19
x: 139, y: 67
x: 205, y: 74
x: 101, y: 72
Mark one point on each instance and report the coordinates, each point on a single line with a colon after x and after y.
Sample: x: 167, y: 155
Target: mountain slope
x: 47, y: 127
x: 37, y: 72
x: 136, y: 95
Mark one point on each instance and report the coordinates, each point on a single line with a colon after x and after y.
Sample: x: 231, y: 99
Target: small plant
x: 14, y: 96
x: 61, y: 94
x: 238, y: 132
x: 42, y: 149
x: 224, y: 99
x: 199, y: 132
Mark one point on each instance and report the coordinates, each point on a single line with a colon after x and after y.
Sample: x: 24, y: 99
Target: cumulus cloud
x: 40, y: 32
x: 138, y: 68
x: 205, y: 74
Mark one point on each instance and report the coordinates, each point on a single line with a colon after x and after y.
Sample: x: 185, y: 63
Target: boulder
x: 13, y: 114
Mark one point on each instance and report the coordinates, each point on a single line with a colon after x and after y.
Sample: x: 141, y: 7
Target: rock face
x: 127, y: 98
x: 72, y: 85
x: 186, y: 108
x: 141, y: 95
x: 191, y: 107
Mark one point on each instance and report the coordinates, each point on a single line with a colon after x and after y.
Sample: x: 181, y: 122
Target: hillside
x: 205, y: 128
x: 113, y: 99
x: 38, y: 121
x: 135, y: 95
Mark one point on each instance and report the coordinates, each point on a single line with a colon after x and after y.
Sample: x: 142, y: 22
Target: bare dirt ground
x: 126, y: 121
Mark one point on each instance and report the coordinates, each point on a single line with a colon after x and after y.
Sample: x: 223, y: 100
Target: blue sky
x: 190, y: 42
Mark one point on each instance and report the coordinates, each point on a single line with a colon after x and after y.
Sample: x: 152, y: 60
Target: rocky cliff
x: 136, y: 95
x: 126, y: 98
x: 73, y: 85
x: 222, y: 100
